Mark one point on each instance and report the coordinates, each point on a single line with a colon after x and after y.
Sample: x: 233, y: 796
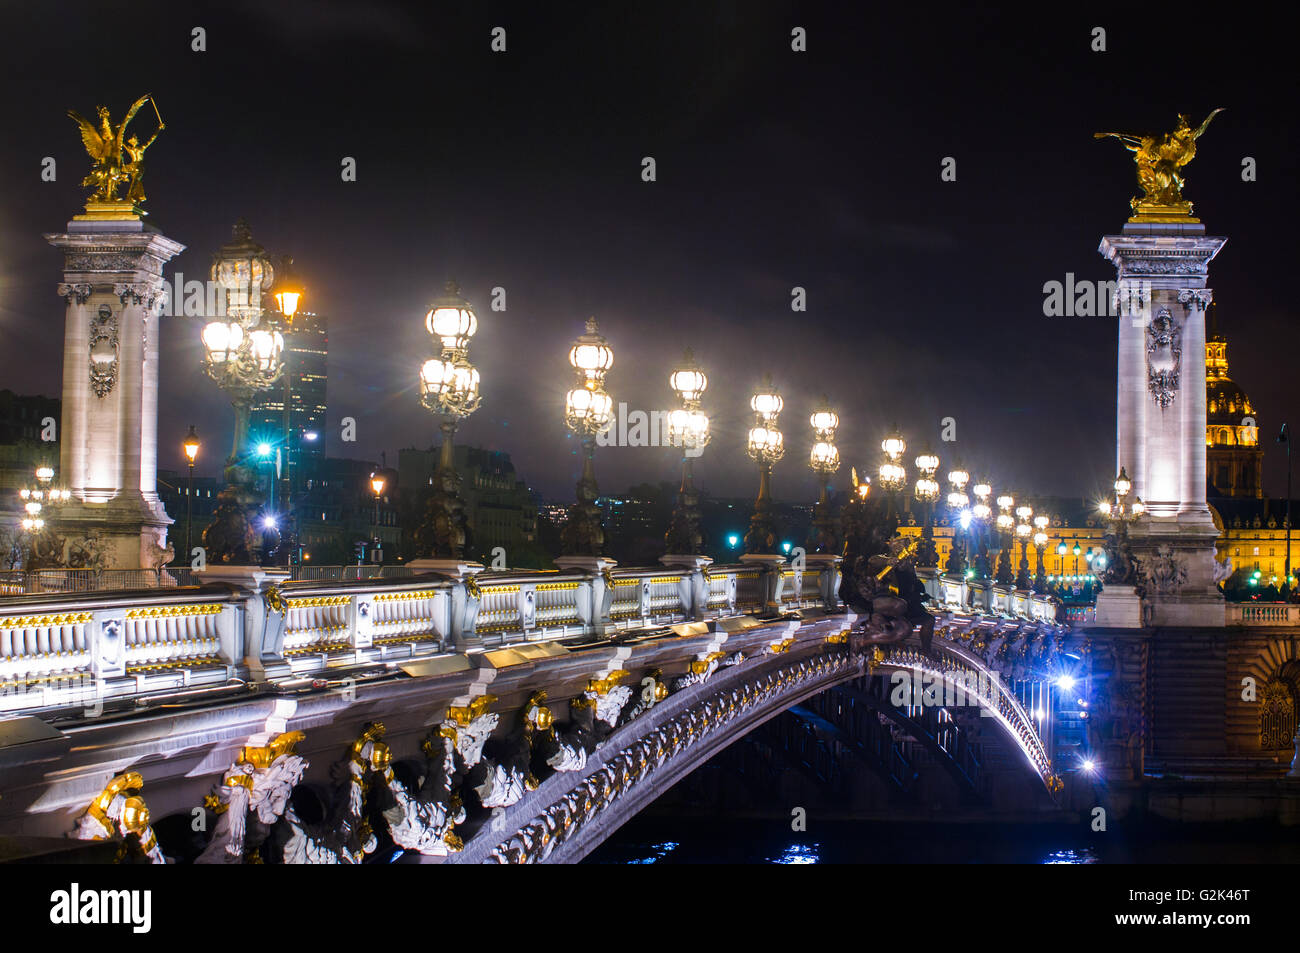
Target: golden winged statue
x: 1159, y: 159
x: 117, y: 163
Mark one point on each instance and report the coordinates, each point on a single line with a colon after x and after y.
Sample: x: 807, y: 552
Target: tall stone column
x: 112, y: 284
x: 1160, y: 422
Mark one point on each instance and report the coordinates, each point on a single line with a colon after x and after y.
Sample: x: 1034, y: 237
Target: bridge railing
x: 246, y: 624
x: 962, y: 594
x: 1262, y: 613
x: 78, y: 649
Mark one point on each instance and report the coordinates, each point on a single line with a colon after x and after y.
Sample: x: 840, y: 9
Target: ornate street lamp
x: 824, y: 460
x: 1024, y: 530
x: 960, y: 514
x: 1117, y: 562
x: 588, y: 410
x: 288, y: 300
x: 377, y: 484
x: 892, y: 473
x: 926, y: 491
x: 688, y: 429
x: 1041, y: 522
x: 449, y: 389
x: 1006, y: 524
x: 41, y: 500
x: 288, y: 290
x: 191, y: 447
x: 766, y: 445
x: 243, y: 359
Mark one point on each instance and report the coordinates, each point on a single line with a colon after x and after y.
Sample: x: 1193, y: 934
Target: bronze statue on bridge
x: 879, y: 580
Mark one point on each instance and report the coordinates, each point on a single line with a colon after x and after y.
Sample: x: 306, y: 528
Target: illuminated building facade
x: 1233, y: 456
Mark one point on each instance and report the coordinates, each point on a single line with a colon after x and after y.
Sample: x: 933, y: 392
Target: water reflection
x: 657, y: 852
x: 1084, y: 856
x: 798, y: 854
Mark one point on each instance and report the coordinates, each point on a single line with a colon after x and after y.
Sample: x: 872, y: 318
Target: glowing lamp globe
x: 265, y: 346
x: 766, y: 441
x: 825, y: 456
x: 591, y: 354
x: 222, y: 339
x: 451, y: 319
x: 894, y: 445
x: 766, y: 405
x: 1122, y: 484
x: 688, y: 381
x: 688, y: 428
x: 824, y: 420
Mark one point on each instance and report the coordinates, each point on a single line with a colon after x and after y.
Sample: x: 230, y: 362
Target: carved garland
x: 103, y: 351
x: 1164, y: 353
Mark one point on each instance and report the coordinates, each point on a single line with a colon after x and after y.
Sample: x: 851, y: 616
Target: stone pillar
x: 112, y: 283
x: 1163, y: 270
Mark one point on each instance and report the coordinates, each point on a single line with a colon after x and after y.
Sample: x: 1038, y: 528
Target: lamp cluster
x: 588, y: 408
x: 766, y: 443
x: 825, y: 456
x: 241, y: 355
x: 36, y: 498
x: 449, y: 383
x: 688, y: 426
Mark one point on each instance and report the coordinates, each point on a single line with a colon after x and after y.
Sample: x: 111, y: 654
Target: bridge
x: 509, y: 716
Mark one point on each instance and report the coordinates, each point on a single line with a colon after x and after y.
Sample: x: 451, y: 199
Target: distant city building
x: 174, y: 491
x: 500, y: 510
x: 306, y: 356
x: 336, y: 509
x: 557, y: 513
x: 1233, y: 457
x: 1252, y: 527
x: 22, y: 450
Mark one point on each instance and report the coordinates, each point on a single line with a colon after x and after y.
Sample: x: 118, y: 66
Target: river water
x: 661, y: 840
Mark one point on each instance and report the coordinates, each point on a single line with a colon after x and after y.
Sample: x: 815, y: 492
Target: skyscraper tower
x: 306, y: 351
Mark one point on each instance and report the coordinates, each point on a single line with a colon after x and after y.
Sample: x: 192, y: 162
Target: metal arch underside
x: 571, y: 813
x: 920, y: 733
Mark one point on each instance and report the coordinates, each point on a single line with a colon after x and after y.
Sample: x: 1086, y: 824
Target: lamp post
x: 824, y: 460
x: 1006, y: 523
x: 377, y: 483
x: 1117, y: 562
x: 588, y: 409
x: 959, y: 508
x: 1284, y: 437
x: 926, y: 491
x: 688, y: 429
x: 449, y: 389
x: 1041, y: 522
x: 981, y: 513
x: 43, y: 551
x: 191, y: 447
x: 1024, y: 530
x: 288, y: 296
x: 765, y: 446
x: 243, y: 359
x: 892, y: 473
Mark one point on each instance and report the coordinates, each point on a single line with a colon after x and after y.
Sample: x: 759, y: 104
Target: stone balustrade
x: 1263, y: 613
x: 245, y: 625
x: 960, y: 593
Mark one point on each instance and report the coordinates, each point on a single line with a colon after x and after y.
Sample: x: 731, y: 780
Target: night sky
x: 775, y: 169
